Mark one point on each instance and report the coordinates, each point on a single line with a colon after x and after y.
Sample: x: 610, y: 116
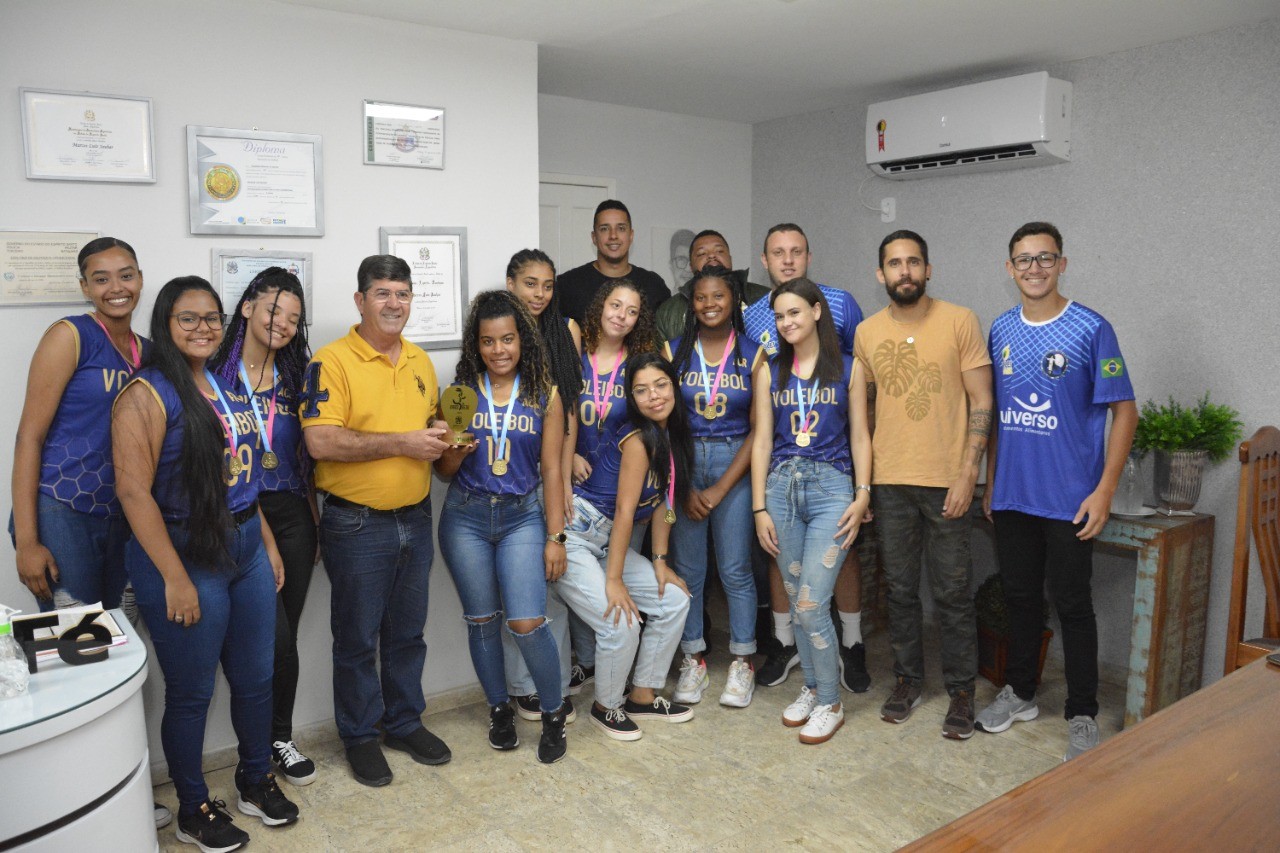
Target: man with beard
x: 932, y: 377
x: 611, y: 234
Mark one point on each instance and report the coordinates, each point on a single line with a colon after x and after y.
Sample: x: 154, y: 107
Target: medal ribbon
x: 813, y: 395
x: 671, y: 484
x: 228, y: 425
x: 596, y: 396
x: 134, y: 359
x: 506, y: 416
x: 712, y: 390
x: 263, y: 430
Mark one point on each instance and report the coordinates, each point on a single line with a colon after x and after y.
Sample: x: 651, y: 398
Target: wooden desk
x: 1196, y: 776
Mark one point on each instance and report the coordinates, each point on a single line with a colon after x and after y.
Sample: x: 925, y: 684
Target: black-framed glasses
x: 189, y: 321
x: 1044, y: 260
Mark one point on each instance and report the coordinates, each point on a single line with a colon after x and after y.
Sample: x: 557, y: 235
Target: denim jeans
x: 294, y: 528
x: 805, y: 499
x: 582, y: 588
x: 378, y: 564
x: 1031, y: 550
x: 732, y: 530
x: 236, y: 628
x: 493, y: 546
x: 909, y: 524
x: 89, y: 551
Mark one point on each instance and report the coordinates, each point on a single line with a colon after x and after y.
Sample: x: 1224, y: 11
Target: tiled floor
x: 729, y: 779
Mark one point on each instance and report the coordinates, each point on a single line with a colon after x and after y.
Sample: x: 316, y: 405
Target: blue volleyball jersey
x: 1054, y: 382
x: 75, y: 462
x: 761, y: 327
x: 828, y: 432
x: 169, y: 487
x: 732, y: 406
x: 601, y: 488
x: 522, y: 451
x: 293, y: 472
x: 596, y: 430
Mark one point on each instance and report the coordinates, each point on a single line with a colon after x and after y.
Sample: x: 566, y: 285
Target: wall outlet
x: 888, y: 209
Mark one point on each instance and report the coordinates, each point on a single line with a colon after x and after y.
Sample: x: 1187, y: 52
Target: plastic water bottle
x: 13, y: 663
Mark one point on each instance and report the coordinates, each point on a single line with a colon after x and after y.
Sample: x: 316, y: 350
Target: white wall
x: 1168, y: 210
x: 672, y: 171
x: 243, y: 64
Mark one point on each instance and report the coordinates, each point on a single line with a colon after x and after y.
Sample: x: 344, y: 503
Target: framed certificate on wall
x: 437, y: 259
x: 80, y: 136
x: 234, y: 270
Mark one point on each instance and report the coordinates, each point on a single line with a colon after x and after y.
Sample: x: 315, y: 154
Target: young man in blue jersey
x: 1051, y: 474
x: 786, y: 257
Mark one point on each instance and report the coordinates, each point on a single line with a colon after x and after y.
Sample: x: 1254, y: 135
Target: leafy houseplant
x: 993, y: 631
x: 1184, y: 438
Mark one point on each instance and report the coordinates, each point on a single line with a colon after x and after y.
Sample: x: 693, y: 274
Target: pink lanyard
x: 714, y: 390
x: 596, y: 395
x: 671, y: 488
x: 134, y: 360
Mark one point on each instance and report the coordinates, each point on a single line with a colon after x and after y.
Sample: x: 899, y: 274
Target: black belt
x: 343, y: 503
x: 245, y: 514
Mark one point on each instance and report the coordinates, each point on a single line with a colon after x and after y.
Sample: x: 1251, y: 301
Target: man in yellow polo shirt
x: 367, y: 407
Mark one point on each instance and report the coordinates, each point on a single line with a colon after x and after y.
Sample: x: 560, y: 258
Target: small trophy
x: 459, y: 404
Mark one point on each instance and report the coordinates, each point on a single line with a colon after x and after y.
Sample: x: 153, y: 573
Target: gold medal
x: 802, y: 440
x: 235, y: 466
x: 670, y: 516
x: 270, y: 461
x: 499, y: 467
x: 709, y: 413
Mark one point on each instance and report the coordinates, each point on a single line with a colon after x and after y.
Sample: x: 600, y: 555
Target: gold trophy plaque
x: 458, y: 405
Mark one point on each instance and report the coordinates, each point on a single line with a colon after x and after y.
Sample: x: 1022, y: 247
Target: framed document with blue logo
x: 437, y: 259
x: 403, y: 135
x: 255, y: 182
x: 39, y: 267
x: 235, y: 269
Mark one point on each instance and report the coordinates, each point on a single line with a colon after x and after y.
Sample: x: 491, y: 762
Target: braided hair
x: 291, y: 359
x: 689, y: 336
x: 562, y: 355
x: 535, y: 378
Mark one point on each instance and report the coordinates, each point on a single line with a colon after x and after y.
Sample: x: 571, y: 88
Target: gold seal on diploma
x: 459, y: 404
x: 221, y: 182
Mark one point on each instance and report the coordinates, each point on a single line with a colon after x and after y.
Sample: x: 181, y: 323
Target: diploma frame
x: 390, y: 238
x: 71, y: 294
x: 195, y: 133
x: 385, y: 111
x: 230, y: 287
x: 140, y: 114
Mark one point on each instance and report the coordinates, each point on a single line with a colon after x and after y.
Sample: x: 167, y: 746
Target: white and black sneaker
x: 502, y: 727
x: 659, y: 709
x: 292, y: 764
x: 616, y: 723
x: 528, y: 707
x: 211, y: 829
x: 579, y: 676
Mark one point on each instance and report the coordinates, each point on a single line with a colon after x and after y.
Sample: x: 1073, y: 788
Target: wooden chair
x: 1257, y: 517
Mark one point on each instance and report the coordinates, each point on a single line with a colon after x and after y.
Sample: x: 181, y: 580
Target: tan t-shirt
x: 922, y: 411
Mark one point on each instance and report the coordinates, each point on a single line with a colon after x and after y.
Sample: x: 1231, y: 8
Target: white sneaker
x: 693, y: 680
x: 739, y: 686
x: 797, y: 713
x: 823, y: 723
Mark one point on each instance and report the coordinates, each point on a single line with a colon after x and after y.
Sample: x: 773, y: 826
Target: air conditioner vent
x: 958, y: 158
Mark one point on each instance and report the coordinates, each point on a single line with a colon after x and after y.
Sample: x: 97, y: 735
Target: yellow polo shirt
x: 350, y: 384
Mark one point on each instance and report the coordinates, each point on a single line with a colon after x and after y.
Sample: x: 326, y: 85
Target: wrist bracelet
x: 861, y: 488
x: 758, y: 511
x: 662, y: 557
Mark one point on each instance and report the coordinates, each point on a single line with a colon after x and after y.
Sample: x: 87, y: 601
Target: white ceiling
x: 755, y: 60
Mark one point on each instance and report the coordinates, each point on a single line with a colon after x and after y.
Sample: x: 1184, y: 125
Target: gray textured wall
x: 1169, y: 215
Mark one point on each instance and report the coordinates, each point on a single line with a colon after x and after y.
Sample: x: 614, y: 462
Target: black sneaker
x: 211, y: 828
x: 958, y: 724
x: 265, y: 800
x: 552, y: 746
x: 853, y: 668
x: 422, y: 746
x: 502, y: 727
x: 295, y: 767
x: 658, y: 709
x: 904, y: 699
x: 368, y: 764
x: 579, y: 676
x: 616, y: 723
x: 528, y: 707
x: 777, y: 666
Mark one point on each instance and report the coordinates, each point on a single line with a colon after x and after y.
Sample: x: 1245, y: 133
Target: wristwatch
x: 558, y: 538
x: 862, y: 488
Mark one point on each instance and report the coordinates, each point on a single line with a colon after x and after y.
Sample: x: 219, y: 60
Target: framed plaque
x: 437, y: 259
x: 80, y: 136
x: 254, y: 182
x: 403, y: 135
x: 234, y: 269
x: 39, y: 267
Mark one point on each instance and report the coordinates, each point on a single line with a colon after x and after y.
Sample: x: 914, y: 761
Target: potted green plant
x: 993, y: 631
x: 1184, y: 438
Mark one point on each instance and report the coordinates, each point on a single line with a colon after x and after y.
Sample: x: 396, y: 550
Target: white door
x: 566, y: 207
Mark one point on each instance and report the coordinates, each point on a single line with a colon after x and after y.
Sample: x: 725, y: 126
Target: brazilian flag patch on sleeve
x: 1112, y: 367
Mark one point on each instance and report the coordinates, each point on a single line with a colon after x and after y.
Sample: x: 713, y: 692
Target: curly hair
x: 535, y: 376
x: 643, y: 336
x: 562, y: 355
x: 680, y: 358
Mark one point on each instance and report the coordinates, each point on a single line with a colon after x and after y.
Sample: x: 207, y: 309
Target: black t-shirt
x: 577, y: 287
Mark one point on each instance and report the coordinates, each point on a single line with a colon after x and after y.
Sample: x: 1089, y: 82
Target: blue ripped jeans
x: 805, y: 499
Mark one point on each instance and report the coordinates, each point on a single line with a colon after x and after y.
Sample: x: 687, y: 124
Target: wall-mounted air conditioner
x: 1000, y: 124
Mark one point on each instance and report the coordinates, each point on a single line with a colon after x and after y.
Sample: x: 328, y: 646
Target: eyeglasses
x: 382, y: 295
x: 644, y: 392
x: 1045, y: 260
x: 189, y: 322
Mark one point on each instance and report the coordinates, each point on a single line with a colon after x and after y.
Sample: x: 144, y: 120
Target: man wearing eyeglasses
x: 1051, y: 472
x: 932, y: 379
x: 367, y: 408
